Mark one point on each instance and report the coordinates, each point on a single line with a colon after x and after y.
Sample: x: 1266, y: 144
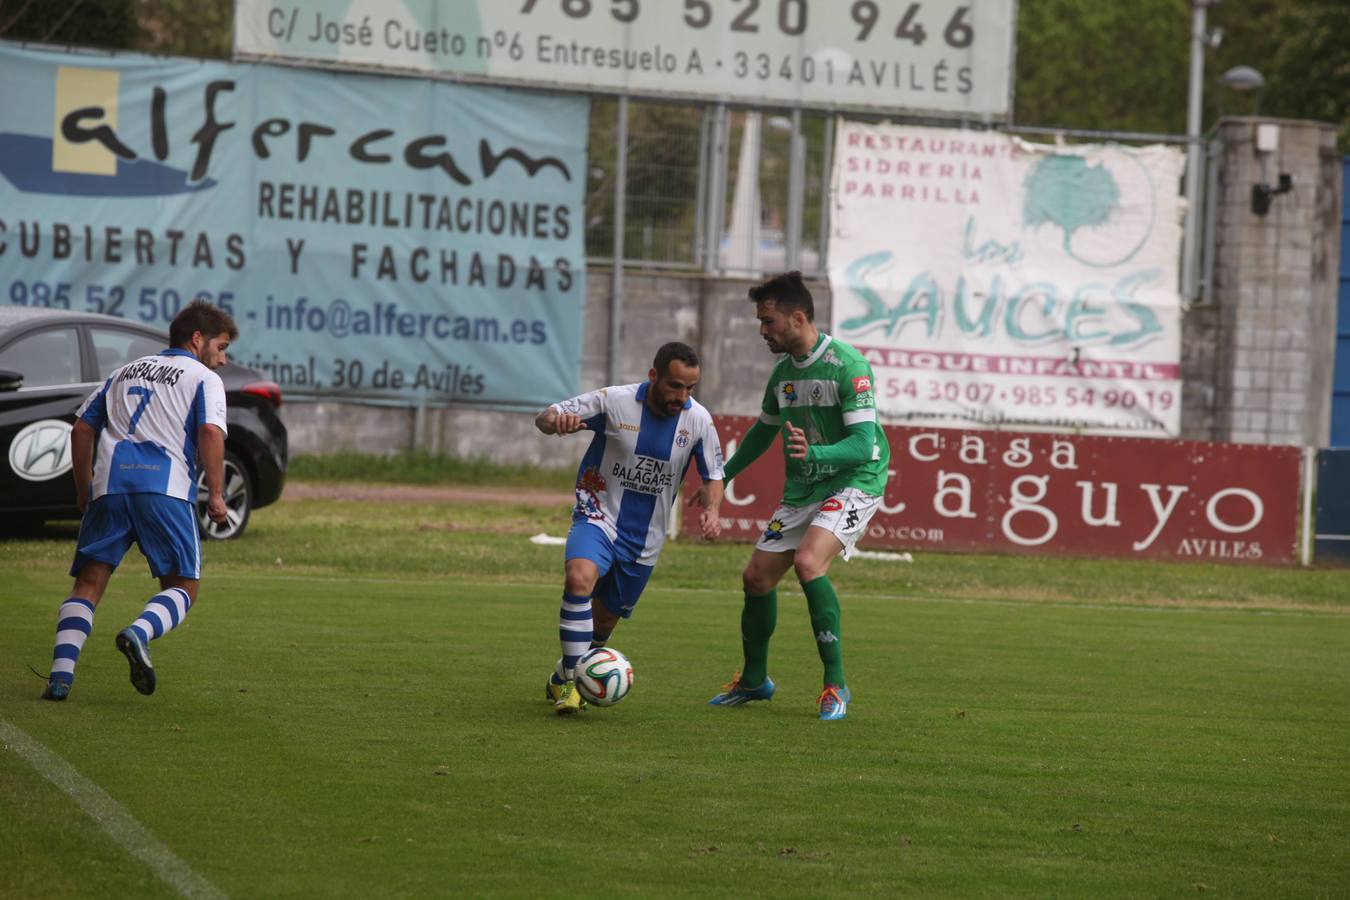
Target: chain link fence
x: 672, y: 179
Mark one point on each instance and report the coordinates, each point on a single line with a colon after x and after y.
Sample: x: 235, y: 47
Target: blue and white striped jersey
x: 147, y: 415
x: 631, y: 474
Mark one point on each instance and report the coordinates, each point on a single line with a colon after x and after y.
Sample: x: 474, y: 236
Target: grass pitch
x: 356, y: 708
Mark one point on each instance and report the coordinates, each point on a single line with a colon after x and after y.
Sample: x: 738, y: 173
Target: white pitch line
x: 110, y: 816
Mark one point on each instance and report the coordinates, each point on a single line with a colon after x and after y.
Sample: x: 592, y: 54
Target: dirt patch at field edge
x: 412, y: 493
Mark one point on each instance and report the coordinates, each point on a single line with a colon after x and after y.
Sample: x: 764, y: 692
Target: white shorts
x: 844, y: 514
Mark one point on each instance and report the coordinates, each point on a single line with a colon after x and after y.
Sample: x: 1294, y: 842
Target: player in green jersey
x: 820, y: 395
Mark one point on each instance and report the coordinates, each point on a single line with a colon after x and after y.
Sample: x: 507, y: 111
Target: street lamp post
x: 1200, y: 39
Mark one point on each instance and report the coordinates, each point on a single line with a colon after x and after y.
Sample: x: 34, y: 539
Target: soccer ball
x: 604, y: 676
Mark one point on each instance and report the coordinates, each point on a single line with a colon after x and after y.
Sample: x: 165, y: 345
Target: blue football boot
x: 56, y: 689
x: 734, y: 694
x: 833, y: 702
x: 133, y: 648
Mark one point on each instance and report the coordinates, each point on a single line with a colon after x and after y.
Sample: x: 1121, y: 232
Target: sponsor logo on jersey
x: 816, y: 391
x: 862, y: 384
x: 852, y: 521
x: 834, y: 504
x: 789, y: 391
x: 775, y: 531
x: 590, y: 486
x: 624, y: 426
x: 826, y: 637
x: 41, y: 451
x: 647, y: 474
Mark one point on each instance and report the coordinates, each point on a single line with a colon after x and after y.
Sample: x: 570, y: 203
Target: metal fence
x: 734, y: 191
x: 708, y: 188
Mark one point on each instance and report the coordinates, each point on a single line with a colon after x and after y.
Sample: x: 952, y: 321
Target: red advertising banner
x: 1057, y: 495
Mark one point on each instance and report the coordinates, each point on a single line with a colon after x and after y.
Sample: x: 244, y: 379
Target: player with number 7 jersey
x: 134, y: 452
x: 147, y: 415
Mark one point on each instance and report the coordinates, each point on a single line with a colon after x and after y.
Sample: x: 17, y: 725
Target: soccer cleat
x: 833, y: 702
x: 553, y: 691
x: 734, y: 694
x: 566, y: 700
x: 56, y: 690
x: 142, y: 673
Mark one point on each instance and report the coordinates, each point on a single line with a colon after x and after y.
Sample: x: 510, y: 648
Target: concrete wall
x: 1260, y: 358
x: 1257, y: 361
x: 710, y: 314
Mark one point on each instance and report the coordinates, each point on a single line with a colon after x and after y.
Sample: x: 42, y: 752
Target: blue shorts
x: 165, y: 528
x: 621, y: 582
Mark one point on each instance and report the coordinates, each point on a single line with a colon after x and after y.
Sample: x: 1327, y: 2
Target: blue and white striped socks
x: 73, y: 624
x: 575, y: 630
x: 163, y: 613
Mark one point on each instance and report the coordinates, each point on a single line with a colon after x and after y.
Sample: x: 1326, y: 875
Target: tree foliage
x: 188, y: 27
x: 1125, y: 66
x: 111, y: 24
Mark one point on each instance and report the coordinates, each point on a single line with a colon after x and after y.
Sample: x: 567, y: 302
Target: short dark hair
x: 671, y: 352
x: 200, y: 316
x: 787, y: 292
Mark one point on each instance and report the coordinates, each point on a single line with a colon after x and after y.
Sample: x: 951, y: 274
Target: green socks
x: 823, y: 606
x: 758, y: 618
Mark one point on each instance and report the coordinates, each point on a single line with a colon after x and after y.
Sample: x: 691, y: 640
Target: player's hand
x: 710, y: 523
x: 797, y: 445
x: 568, y: 423
x: 216, y: 508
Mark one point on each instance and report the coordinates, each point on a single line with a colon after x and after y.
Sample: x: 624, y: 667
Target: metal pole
x: 1195, y: 92
x: 1208, y: 247
x: 1309, y: 487
x: 796, y: 188
x: 701, y: 190
x: 826, y: 172
x: 620, y: 201
x: 717, y: 189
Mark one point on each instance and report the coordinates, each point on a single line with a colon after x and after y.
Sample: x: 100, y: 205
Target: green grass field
x: 355, y: 709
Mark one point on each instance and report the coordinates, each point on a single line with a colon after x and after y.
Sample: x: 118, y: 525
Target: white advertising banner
x: 994, y: 282
x: 936, y: 56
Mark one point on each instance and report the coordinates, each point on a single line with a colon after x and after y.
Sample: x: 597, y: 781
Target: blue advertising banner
x: 372, y: 236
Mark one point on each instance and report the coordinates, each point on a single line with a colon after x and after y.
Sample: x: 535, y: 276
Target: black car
x: 51, y: 359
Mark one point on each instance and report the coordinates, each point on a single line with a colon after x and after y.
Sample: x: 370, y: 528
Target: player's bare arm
x: 211, y: 449
x: 550, y: 421
x: 82, y: 438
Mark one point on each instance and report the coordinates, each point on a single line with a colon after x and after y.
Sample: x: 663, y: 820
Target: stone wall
x: 1257, y: 361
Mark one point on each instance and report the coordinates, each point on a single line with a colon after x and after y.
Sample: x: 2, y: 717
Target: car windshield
x: 45, y: 358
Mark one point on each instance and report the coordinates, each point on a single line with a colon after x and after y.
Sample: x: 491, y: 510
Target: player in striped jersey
x: 645, y: 436
x: 134, y: 449
x: 820, y: 393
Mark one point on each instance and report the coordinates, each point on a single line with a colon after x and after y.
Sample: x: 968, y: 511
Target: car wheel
x: 238, y: 502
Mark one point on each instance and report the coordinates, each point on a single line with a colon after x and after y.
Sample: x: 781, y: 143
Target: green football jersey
x: 823, y: 394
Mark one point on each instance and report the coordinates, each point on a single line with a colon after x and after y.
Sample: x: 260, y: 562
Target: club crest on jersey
x: 590, y: 486
x: 830, y: 358
x: 775, y: 531
x: 789, y: 391
x: 682, y: 438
